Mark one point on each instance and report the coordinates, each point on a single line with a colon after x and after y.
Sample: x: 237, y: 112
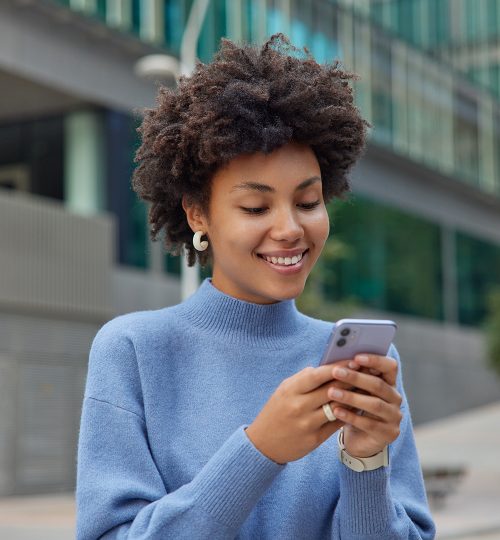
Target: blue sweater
x: 163, y: 452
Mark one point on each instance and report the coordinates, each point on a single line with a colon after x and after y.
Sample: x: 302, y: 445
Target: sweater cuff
x: 366, y: 505
x: 234, y: 479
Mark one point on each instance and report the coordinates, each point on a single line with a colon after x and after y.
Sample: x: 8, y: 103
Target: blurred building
x: 463, y: 33
x: 423, y: 228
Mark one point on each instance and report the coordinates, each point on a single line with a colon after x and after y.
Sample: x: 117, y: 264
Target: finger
x: 310, y: 377
x: 383, y: 432
x: 376, y: 386
x: 318, y: 417
x: 354, y: 365
x: 326, y: 429
x: 320, y: 395
x: 387, y: 412
x: 387, y: 366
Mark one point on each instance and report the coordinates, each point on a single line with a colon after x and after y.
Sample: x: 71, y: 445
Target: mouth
x: 285, y: 263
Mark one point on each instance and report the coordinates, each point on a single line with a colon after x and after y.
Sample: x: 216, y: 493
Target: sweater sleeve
x: 389, y: 502
x: 119, y: 489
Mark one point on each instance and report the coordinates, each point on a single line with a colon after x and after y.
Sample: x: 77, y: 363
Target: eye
x: 305, y: 206
x: 253, y: 210
x: 310, y: 206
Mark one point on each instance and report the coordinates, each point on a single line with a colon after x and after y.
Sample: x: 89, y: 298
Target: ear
x: 194, y: 215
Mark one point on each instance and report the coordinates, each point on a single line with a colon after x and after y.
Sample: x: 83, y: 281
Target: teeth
x: 285, y: 261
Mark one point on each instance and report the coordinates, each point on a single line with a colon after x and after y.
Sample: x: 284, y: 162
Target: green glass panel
x: 377, y: 12
x: 471, y: 19
x: 136, y: 254
x: 466, y: 138
x: 274, y: 20
x: 101, y: 9
x: 497, y: 154
x: 172, y: 264
x: 174, y: 24
x: 136, y: 16
x: 207, y: 43
x: 442, y: 18
x: 478, y: 270
x: 406, y: 21
x: 391, y: 261
x: 220, y: 22
x: 136, y: 250
x: 493, y: 29
x: 205, y: 272
x: 382, y: 103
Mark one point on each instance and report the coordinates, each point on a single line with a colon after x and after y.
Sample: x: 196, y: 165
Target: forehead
x: 283, y: 168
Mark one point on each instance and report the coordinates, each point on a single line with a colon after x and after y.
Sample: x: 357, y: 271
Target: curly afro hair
x: 248, y: 99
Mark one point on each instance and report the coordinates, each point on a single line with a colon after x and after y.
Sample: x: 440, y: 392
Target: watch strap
x: 359, y: 464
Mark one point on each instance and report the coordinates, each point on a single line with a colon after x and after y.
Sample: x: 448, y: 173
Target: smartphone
x: 350, y: 337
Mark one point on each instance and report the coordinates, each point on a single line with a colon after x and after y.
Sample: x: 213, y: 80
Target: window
x: 381, y: 77
x: 392, y: 261
x: 478, y: 265
x: 466, y: 137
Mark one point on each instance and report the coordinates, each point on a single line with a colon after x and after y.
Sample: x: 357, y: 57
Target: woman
x: 211, y: 418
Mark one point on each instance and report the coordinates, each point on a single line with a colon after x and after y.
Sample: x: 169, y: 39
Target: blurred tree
x: 492, y: 326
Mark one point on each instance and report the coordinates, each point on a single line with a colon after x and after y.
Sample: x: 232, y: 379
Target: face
x: 265, y: 212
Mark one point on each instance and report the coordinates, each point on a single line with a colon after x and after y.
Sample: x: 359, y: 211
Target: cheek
x: 319, y: 227
x: 237, y: 236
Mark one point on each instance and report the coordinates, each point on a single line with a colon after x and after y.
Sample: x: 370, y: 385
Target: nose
x: 286, y: 226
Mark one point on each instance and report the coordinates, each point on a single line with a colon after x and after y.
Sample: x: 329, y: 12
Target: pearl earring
x: 200, y: 246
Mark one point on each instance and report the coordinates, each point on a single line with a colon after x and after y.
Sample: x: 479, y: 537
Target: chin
x: 289, y: 292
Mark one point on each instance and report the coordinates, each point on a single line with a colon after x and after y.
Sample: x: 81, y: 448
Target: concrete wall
x: 73, y: 55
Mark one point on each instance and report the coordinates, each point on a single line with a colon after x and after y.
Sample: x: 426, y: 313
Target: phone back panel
x: 356, y: 336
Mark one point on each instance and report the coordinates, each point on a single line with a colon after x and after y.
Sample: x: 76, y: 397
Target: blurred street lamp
x: 165, y: 68
x: 158, y: 67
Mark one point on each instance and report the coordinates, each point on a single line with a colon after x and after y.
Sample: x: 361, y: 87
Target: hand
x: 292, y: 423
x: 366, y: 435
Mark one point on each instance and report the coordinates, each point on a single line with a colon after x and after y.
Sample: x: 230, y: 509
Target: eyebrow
x: 264, y: 188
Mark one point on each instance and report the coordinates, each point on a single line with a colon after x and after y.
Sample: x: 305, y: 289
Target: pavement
x: 469, y: 441
x: 38, y: 517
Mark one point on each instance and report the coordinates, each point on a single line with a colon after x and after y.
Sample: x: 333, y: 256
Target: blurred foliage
x: 312, y: 301
x: 492, y: 326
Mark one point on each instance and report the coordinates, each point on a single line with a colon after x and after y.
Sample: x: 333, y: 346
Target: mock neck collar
x: 235, y: 320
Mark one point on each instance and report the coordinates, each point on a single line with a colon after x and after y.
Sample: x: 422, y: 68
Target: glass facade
x: 402, y: 90
x: 393, y: 262
x: 478, y: 271
x: 462, y: 32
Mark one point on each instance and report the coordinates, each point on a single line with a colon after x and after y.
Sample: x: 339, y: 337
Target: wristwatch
x: 359, y: 464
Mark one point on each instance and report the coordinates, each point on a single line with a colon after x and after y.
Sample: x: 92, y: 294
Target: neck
x: 239, y: 321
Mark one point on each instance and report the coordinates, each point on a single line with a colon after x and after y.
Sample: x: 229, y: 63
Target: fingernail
x: 340, y: 372
x: 362, y: 359
x: 353, y: 365
x: 336, y: 393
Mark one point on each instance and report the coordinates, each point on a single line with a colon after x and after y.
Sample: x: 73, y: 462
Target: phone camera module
x: 345, y: 332
x: 341, y: 342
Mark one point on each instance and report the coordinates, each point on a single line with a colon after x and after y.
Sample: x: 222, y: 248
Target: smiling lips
x: 286, y: 261
x: 285, y: 264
